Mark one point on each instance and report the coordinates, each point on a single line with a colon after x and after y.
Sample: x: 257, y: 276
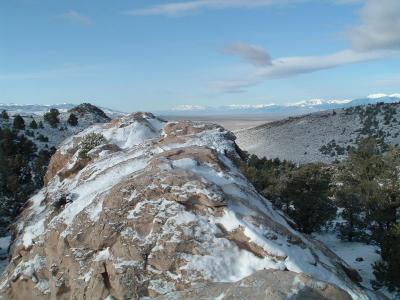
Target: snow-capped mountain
x: 161, y: 210
x: 380, y: 95
x: 297, y: 108
x: 319, y: 102
x: 189, y: 108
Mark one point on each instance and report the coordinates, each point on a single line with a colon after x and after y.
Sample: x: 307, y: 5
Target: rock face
x: 265, y: 284
x: 161, y: 210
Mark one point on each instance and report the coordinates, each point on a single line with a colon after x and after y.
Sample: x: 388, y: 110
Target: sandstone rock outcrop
x: 264, y: 284
x: 162, y: 211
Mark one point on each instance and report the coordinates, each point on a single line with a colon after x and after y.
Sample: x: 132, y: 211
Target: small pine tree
x: 306, y: 197
x: 39, y: 166
x: 387, y: 271
x: 359, y: 188
x: 33, y: 124
x: 18, y: 123
x: 350, y: 201
x: 72, y: 120
x: 29, y: 133
x: 52, y: 117
x: 89, y: 142
x: 382, y: 212
x: 40, y: 125
x: 42, y: 138
x: 16, y: 152
x: 4, y: 115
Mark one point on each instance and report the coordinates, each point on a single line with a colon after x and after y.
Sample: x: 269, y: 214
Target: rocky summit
x: 160, y: 210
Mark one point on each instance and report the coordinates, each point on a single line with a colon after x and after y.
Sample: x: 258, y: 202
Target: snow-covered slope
x: 48, y: 136
x: 323, y: 136
x: 158, y: 210
x: 36, y: 110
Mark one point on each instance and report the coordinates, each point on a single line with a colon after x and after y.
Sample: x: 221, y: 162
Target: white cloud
x: 182, y: 8
x: 287, y: 66
x: 189, y: 107
x: 250, y: 53
x: 291, y: 66
x: 376, y: 37
x: 379, y: 27
x: 76, y: 17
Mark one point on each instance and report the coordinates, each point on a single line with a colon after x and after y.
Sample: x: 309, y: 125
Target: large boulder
x: 161, y: 210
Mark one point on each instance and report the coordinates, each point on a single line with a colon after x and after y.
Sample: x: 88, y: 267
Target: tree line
x: 22, y: 165
x: 363, y: 190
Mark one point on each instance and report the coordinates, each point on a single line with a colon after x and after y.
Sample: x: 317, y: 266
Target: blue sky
x: 155, y: 55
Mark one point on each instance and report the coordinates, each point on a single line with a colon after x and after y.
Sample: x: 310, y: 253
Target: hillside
x: 160, y: 209
x: 49, y: 136
x: 26, y: 147
x: 40, y: 109
x: 323, y: 136
x: 34, y: 109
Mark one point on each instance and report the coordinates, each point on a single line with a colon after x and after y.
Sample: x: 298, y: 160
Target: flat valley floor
x: 232, y: 123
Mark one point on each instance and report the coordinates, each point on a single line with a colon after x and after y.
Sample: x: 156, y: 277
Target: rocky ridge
x: 161, y: 210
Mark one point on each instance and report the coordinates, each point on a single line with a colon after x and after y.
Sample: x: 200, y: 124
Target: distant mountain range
x: 290, y: 109
x: 298, y: 108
